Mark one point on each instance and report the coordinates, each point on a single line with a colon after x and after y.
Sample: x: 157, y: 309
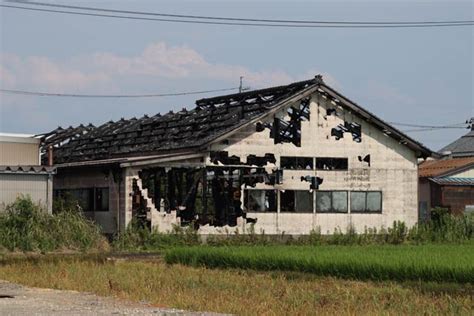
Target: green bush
x: 25, y: 226
x: 443, y: 228
x: 139, y: 238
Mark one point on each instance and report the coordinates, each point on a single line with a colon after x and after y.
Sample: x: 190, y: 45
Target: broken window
x: 366, y: 202
x: 331, y: 201
x: 331, y: 163
x: 365, y: 159
x: 296, y: 163
x: 296, y: 201
x: 101, y: 200
x: 260, y: 201
x: 288, y: 131
x: 354, y: 128
x: 88, y: 199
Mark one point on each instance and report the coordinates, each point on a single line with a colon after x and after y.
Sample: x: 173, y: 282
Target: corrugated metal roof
x: 433, y: 168
x: 461, y: 147
x: 453, y: 181
x: 28, y: 169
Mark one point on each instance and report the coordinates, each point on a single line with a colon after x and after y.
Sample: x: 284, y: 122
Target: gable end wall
x: 393, y: 171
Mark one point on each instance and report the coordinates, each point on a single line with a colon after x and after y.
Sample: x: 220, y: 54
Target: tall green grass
x: 25, y: 226
x: 444, y: 263
x: 139, y: 238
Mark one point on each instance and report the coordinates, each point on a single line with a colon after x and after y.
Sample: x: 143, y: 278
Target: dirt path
x: 20, y: 300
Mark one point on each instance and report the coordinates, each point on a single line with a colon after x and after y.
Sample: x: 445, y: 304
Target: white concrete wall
x: 393, y: 171
x: 82, y: 178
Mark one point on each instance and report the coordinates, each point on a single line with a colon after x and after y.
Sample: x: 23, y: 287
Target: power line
x: 468, y: 23
x: 47, y: 94
x: 455, y: 125
x: 235, y: 19
x: 430, y: 129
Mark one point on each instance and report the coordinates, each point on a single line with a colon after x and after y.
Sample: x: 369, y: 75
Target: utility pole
x: 240, y: 86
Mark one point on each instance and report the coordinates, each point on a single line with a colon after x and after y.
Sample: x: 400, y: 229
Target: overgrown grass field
x: 241, y: 292
x: 25, y: 226
x: 453, y: 263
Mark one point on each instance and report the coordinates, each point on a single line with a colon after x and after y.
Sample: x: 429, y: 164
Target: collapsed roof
x: 194, y: 129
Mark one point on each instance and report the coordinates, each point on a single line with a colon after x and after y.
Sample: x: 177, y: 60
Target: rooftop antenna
x: 241, y: 87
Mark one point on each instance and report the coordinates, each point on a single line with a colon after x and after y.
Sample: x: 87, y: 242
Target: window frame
x: 97, y: 207
x: 332, y: 211
x: 92, y: 198
x: 334, y: 158
x: 366, y: 211
x: 246, y: 196
x: 296, y: 162
x: 295, y: 202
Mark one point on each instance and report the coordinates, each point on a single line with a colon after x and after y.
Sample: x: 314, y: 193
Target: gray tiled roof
x: 210, y: 119
x: 462, y: 147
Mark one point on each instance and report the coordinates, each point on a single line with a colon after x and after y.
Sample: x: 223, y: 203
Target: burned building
x: 287, y: 159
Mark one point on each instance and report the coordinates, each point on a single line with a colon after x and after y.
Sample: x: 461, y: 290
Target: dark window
x: 366, y: 202
x: 296, y: 163
x: 260, y: 201
x: 331, y: 163
x: 101, y: 200
x: 89, y: 199
x: 331, y: 201
x: 296, y: 201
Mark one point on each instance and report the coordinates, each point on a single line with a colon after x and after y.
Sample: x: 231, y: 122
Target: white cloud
x: 104, y: 71
x: 44, y: 73
x: 159, y: 67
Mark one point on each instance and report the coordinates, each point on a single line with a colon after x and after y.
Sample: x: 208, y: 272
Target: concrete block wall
x: 393, y: 171
x: 89, y: 177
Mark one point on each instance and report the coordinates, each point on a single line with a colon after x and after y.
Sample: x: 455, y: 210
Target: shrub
x: 25, y: 226
x: 139, y: 238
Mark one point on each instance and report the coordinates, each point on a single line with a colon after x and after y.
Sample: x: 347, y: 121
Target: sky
x: 416, y: 76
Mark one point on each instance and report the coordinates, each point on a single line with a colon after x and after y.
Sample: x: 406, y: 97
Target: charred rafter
x: 171, y: 131
x: 288, y: 131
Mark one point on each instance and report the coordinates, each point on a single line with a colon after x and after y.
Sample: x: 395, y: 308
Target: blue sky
x: 419, y: 76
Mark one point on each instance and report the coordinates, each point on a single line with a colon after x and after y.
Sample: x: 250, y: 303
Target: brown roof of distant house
x: 433, y: 168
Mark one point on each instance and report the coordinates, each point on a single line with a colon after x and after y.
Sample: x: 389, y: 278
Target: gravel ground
x: 20, y: 300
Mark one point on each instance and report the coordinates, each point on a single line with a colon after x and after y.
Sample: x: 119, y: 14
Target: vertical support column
x: 204, y: 195
x: 114, y: 184
x: 126, y: 192
x: 49, y: 194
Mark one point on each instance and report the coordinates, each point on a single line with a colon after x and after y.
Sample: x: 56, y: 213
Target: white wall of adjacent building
x: 23, y: 150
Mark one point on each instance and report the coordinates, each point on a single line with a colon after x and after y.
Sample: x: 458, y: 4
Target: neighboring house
x: 449, y: 182
x: 462, y: 147
x: 287, y: 159
x: 21, y: 172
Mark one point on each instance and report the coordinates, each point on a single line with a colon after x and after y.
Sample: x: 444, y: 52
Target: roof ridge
x: 317, y: 79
